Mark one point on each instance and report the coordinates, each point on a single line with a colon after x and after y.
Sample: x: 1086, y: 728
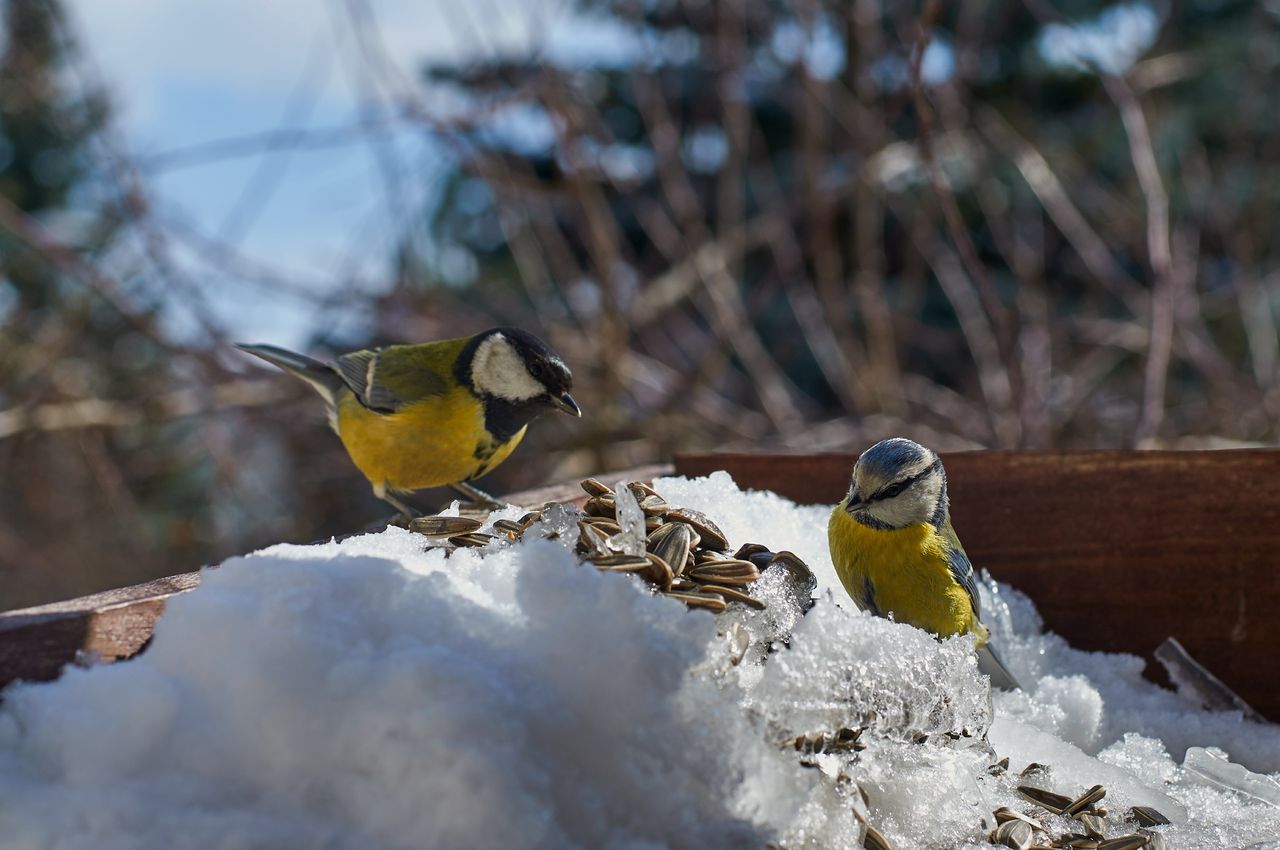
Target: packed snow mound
x: 375, y: 693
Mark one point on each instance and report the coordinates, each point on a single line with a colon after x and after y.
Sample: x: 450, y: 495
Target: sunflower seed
x: 652, y: 523
x: 659, y: 571
x: 509, y: 527
x: 595, y: 487
x: 622, y: 563
x: 698, y: 600
x: 875, y: 841
x: 473, y: 540
x: 604, y: 506
x: 762, y: 560
x: 1004, y: 813
x: 1124, y: 842
x: 1054, y: 803
x: 801, y: 576
x: 999, y: 767
x: 1147, y: 816
x: 730, y: 594
x: 746, y: 550
x: 529, y: 519
x: 725, y: 572
x: 1088, y: 798
x: 711, y: 535
x: 603, y: 523
x: 444, y: 526
x: 684, y: 585
x: 641, y: 490
x: 672, y: 541
x: 1033, y: 767
x: 1014, y: 833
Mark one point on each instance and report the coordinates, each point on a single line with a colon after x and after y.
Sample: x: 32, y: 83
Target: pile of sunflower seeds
x: 680, y: 552
x: 1084, y: 813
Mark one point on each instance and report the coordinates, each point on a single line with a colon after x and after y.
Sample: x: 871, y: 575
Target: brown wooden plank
x: 1119, y: 550
x: 36, y: 643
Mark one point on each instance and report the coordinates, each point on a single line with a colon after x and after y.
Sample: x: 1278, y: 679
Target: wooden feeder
x: 1118, y: 550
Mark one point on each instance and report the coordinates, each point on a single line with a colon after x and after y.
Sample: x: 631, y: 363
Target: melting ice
x: 375, y: 694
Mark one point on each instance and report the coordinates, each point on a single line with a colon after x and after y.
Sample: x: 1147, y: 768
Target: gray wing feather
x: 359, y: 371
x: 962, y: 572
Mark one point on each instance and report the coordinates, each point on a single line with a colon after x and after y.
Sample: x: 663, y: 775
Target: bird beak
x: 854, y: 502
x: 566, y: 403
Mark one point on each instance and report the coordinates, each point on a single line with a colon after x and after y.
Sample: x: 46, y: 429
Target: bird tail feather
x: 320, y: 376
x: 990, y: 664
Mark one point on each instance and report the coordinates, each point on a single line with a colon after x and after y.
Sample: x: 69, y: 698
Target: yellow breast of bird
x: 430, y: 443
x: 902, y: 571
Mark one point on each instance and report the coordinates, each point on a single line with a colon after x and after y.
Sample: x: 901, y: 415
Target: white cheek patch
x: 497, y: 370
x: 914, y: 505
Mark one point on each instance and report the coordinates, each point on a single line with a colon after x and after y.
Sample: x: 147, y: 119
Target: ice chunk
x: 630, y: 519
x: 852, y: 669
x: 558, y: 522
x: 1213, y: 766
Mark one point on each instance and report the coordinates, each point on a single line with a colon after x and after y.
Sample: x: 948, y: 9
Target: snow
x: 374, y: 693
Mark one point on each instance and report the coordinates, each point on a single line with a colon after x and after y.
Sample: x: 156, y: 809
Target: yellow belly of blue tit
x: 904, y: 572
x: 438, y: 441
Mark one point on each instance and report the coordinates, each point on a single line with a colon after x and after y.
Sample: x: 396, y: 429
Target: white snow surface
x: 374, y: 694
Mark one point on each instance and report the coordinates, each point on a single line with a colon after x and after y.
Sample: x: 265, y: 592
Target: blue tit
x: 435, y: 413
x: 896, y: 553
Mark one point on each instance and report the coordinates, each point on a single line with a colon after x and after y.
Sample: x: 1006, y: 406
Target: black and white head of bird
x: 898, y: 483
x: 515, y: 367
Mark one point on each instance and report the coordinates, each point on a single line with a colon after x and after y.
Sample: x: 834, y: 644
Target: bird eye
x: 536, y: 370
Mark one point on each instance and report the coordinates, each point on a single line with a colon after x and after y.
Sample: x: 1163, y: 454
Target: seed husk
x: 444, y: 526
x: 1155, y: 841
x: 698, y: 600
x: 1014, y: 833
x: 1124, y: 842
x: 684, y: 585
x: 659, y: 571
x: 1033, y: 767
x: 739, y: 640
x: 595, y: 487
x: 1079, y: 842
x: 999, y: 767
x: 730, y: 594
x: 725, y: 572
x: 1147, y: 816
x: 473, y: 540
x: 1048, y: 800
x: 711, y: 535
x: 875, y: 840
x: 1088, y: 798
x: 593, y: 539
x: 672, y: 541
x: 652, y: 523
x: 529, y: 519
x: 1093, y: 825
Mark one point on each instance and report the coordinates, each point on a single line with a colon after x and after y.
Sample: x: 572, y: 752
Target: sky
x: 185, y: 75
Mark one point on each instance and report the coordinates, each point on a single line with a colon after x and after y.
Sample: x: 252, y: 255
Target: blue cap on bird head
x: 896, y: 483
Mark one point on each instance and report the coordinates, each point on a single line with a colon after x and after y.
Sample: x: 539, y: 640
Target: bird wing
x: 386, y: 379
x: 961, y: 567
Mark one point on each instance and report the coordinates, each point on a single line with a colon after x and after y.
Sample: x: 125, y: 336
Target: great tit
x: 896, y: 553
x: 436, y: 413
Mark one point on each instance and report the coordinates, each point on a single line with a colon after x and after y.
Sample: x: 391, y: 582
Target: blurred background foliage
x: 799, y: 225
